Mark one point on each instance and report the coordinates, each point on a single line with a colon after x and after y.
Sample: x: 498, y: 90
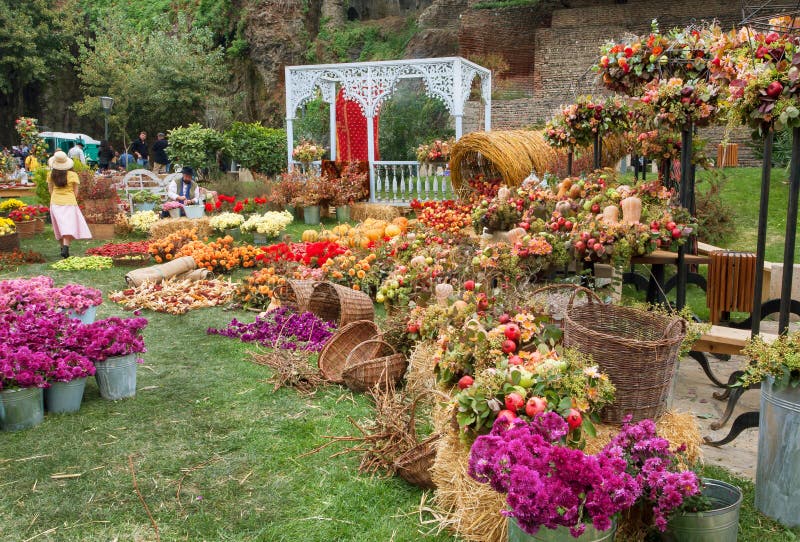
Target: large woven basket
x: 39, y: 225
x: 637, y: 349
x: 296, y: 294
x: 555, y: 298
x: 9, y: 242
x: 414, y: 464
x: 334, y: 354
x: 371, y: 363
x: 340, y: 304
x: 26, y: 229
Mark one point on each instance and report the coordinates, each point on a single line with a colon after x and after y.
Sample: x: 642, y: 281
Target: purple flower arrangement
x: 16, y: 294
x: 39, y: 345
x: 281, y: 328
x: 549, y: 484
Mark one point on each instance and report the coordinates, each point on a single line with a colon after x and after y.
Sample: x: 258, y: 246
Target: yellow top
x: 64, y: 195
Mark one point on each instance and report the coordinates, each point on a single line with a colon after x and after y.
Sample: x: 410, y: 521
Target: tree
x: 158, y: 79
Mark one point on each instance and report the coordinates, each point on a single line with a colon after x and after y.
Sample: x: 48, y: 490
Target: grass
x: 205, y: 420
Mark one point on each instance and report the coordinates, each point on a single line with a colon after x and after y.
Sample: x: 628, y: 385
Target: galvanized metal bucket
x: 87, y: 317
x: 116, y: 377
x: 21, y: 408
x: 778, y: 470
x: 65, y: 397
x: 515, y: 534
x: 718, y: 525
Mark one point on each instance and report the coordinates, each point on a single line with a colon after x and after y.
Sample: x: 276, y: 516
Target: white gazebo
x: 369, y: 84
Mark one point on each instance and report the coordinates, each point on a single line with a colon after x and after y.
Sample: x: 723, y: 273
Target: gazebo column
x: 332, y: 128
x: 459, y: 126
x: 371, y: 156
x: 289, y: 141
x: 486, y: 92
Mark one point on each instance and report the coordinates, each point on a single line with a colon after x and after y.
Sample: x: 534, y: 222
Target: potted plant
x: 310, y: 198
x: 711, y: 515
x: 112, y: 345
x: 25, y: 220
x: 266, y: 226
x: 227, y: 223
x: 777, y: 367
x: 22, y: 377
x: 173, y: 208
x: 350, y: 187
x: 145, y: 200
x: 79, y: 301
x: 306, y: 152
x: 67, y: 376
x: 9, y: 240
x: 286, y: 189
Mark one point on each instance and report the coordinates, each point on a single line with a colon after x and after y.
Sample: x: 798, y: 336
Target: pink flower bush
x: 16, y: 294
x: 549, y: 484
x: 69, y: 366
x: 107, y: 338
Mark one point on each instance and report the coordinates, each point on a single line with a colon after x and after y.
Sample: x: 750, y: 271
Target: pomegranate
x: 465, y: 382
x: 535, y: 406
x: 574, y: 419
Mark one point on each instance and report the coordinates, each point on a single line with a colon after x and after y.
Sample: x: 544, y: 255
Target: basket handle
x: 360, y: 345
x: 590, y: 296
x: 679, y: 321
x: 412, y: 426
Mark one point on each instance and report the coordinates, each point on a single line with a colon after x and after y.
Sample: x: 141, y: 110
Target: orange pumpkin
x: 309, y: 236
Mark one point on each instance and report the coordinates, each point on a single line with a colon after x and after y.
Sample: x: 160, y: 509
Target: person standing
x: 160, y: 158
x: 139, y: 149
x: 68, y: 221
x: 31, y: 163
x: 105, y: 155
x: 76, y: 152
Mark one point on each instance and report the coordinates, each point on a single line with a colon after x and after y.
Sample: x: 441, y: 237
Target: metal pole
x: 106, y: 123
x: 597, y: 149
x: 791, y: 233
x: 569, y: 163
x: 635, y: 163
x: 766, y: 173
x: 686, y: 193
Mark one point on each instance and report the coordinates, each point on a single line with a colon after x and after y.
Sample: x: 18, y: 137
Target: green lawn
x: 205, y: 420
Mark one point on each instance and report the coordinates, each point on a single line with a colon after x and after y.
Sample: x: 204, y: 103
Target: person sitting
x: 185, y: 191
x: 125, y: 159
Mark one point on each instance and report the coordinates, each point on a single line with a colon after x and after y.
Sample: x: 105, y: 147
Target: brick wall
x: 443, y: 14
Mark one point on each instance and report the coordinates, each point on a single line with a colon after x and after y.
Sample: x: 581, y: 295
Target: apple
x: 412, y: 327
x: 568, y: 225
x: 580, y: 246
x: 774, y: 89
x: 676, y: 233
x: 585, y: 236
x: 483, y: 303
x: 655, y: 225
x: 469, y: 285
x: 465, y: 382
x: 506, y: 415
x: 515, y: 360
x: 535, y: 406
x: 525, y: 225
x: 595, y: 208
x: 509, y: 346
x: 512, y: 332
x: 574, y: 419
x: 671, y: 225
x: 514, y: 401
x: 590, y: 243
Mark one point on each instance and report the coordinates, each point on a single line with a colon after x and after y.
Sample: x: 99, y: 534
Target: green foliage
x: 40, y: 178
x: 158, y: 79
x: 716, y: 219
x: 409, y: 119
x: 195, y: 146
x: 312, y: 124
x: 501, y: 4
x: 257, y: 147
x: 362, y: 41
x: 781, y: 148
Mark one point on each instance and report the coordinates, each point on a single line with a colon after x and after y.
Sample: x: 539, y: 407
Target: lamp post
x: 106, y: 102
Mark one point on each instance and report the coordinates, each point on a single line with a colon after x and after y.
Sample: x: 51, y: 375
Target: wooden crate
x: 728, y: 155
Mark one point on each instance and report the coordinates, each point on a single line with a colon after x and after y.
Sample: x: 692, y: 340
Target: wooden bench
x: 143, y: 179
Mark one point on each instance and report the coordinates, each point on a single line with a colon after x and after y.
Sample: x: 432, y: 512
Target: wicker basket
x: 637, y: 349
x: 414, y: 464
x: 556, y: 297
x: 9, y: 243
x: 334, y: 354
x: 39, y: 225
x: 26, y: 229
x: 340, y: 304
x: 296, y: 294
x: 371, y: 363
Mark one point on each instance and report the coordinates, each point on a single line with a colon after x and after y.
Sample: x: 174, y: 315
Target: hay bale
x: 362, y: 211
x: 472, y: 510
x: 513, y: 154
x: 420, y: 377
x: 167, y: 226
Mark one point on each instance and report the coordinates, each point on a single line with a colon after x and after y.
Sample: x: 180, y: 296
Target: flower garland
x: 435, y: 151
x: 677, y: 103
x: 576, y: 125
x: 308, y: 151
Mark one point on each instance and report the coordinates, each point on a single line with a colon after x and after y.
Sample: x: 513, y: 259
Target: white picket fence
x: 399, y: 182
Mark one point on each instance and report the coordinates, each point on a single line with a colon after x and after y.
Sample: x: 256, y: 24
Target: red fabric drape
x: 351, y: 131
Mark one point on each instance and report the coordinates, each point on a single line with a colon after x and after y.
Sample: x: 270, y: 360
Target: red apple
x: 504, y: 318
x: 595, y: 208
x: 534, y: 406
x: 774, y: 89
x: 590, y: 243
x: 525, y: 225
x: 574, y: 419
x: 585, y: 236
x: 509, y: 346
x: 512, y: 332
x: 676, y: 233
x: 469, y: 285
x: 412, y: 327
x: 514, y: 402
x: 655, y: 225
x: 465, y: 382
x: 568, y: 225
x: 671, y: 225
x: 506, y: 415
x: 515, y: 360
x: 580, y: 246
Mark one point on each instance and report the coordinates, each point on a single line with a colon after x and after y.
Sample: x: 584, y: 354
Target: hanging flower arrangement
x: 576, y: 125
x: 677, y: 103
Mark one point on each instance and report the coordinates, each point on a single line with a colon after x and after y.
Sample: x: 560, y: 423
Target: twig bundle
x: 291, y: 369
x: 512, y: 154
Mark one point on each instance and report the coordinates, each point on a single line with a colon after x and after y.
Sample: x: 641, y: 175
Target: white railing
x: 315, y: 166
x: 399, y: 182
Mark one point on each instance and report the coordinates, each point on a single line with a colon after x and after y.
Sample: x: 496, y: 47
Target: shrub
x: 195, y: 146
x: 714, y: 216
x: 40, y: 178
x: 257, y: 147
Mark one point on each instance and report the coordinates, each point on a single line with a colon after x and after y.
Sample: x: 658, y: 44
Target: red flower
x: 238, y: 207
x: 209, y: 207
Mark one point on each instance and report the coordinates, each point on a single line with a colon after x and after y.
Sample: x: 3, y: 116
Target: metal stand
x: 598, y: 151
x: 569, y: 163
x: 687, y: 202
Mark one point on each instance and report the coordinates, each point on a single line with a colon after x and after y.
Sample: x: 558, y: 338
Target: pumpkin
x: 402, y: 222
x: 417, y: 261
x: 575, y: 191
x: 443, y: 291
x: 631, y: 210
x: 309, y: 236
x: 564, y: 207
x: 503, y: 194
x: 393, y: 230
x: 611, y: 214
x: 374, y: 234
x: 341, y: 229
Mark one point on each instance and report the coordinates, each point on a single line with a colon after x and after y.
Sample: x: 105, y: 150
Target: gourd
x: 443, y: 291
x: 503, y: 194
x: 417, y: 261
x: 611, y: 214
x: 393, y: 230
x: 631, y: 210
x: 309, y: 236
x: 401, y: 222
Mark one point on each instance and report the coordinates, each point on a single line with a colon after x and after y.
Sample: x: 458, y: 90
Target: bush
x: 195, y: 146
x: 257, y: 147
x: 715, y: 217
x: 40, y: 178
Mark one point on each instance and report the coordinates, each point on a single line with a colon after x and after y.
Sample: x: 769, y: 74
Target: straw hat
x: 60, y: 161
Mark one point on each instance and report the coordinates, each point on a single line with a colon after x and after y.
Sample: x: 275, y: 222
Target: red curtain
x: 351, y: 131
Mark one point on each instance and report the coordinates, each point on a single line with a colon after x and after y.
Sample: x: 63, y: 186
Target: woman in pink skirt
x: 68, y: 221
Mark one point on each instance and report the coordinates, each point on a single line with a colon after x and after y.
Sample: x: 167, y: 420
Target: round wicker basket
x: 414, y: 464
x: 26, y: 229
x: 296, y: 294
x: 10, y: 242
x: 334, y: 354
x: 371, y: 363
x: 340, y: 304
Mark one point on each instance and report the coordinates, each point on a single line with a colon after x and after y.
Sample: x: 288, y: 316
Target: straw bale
x: 419, y: 375
x: 167, y: 226
x: 362, y: 211
x: 472, y: 510
x: 513, y: 154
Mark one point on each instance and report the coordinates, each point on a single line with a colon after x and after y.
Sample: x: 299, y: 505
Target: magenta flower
x: 281, y: 328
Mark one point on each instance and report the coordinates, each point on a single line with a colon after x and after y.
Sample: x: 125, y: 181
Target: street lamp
x: 106, y: 102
